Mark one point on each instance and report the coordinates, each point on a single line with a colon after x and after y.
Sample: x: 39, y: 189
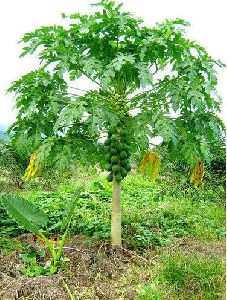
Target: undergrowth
x: 185, y: 277
x: 154, y: 217
x: 152, y: 214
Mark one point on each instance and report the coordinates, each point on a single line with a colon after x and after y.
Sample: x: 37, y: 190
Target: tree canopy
x: 156, y: 79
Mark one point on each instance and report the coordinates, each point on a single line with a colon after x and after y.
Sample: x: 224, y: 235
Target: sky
x: 208, y: 27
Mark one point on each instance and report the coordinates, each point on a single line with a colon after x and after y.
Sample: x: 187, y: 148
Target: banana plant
x: 31, y: 217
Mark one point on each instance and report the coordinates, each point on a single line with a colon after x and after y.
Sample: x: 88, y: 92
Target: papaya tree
x: 141, y: 82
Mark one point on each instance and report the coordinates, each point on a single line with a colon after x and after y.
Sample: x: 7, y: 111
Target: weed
x: 191, y: 277
x: 8, y: 245
x: 34, y: 262
x: 152, y: 214
x: 150, y: 292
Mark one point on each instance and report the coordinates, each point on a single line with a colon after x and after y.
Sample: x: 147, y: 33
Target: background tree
x: 14, y: 156
x: 147, y: 82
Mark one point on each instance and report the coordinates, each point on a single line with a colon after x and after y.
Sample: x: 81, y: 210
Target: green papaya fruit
x: 124, y: 162
x: 110, y: 177
x: 114, y: 138
x: 126, y: 147
x: 128, y: 167
x: 109, y: 167
x: 107, y: 142
x: 116, y: 169
x: 128, y: 153
x: 118, y: 178
x: 113, y: 151
x: 108, y: 158
x: 123, y: 154
x: 120, y: 147
x: 114, y: 160
x: 123, y: 172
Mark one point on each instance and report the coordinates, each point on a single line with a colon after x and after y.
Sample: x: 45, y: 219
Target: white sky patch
x: 208, y: 27
x: 155, y: 141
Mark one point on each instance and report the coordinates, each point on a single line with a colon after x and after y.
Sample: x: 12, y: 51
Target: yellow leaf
x: 197, y: 174
x: 150, y: 165
x: 32, y: 169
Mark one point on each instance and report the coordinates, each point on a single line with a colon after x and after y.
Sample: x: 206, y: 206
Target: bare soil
x: 95, y: 270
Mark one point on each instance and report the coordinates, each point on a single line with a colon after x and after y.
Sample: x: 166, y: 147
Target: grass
x: 8, y: 245
x: 185, y: 277
x: 190, y: 277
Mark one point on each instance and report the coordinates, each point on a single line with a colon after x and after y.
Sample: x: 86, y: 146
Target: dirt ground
x: 94, y: 271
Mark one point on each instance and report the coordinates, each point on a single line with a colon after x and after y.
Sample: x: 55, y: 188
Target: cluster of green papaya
x: 118, y: 154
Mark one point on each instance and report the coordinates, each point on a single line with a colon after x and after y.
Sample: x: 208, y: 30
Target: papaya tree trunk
x: 116, y: 214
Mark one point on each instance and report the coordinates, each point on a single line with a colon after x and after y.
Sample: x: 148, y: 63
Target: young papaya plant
x: 142, y: 82
x: 31, y: 217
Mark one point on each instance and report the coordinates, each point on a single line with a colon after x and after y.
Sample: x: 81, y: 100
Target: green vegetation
x: 185, y: 277
x: 8, y: 245
x: 151, y: 214
x: 193, y: 276
x: 29, y: 216
x: 162, y: 208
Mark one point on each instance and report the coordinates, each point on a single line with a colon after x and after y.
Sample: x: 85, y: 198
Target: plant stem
x: 69, y: 292
x: 116, y: 214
